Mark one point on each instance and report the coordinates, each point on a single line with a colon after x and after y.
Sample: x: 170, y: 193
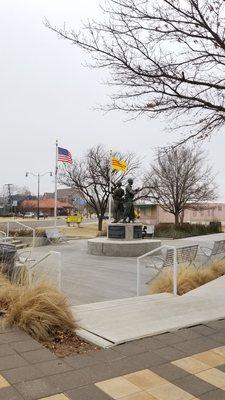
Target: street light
x: 38, y: 176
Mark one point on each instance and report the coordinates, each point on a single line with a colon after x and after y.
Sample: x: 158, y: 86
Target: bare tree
x: 180, y: 179
x: 91, y: 176
x: 165, y: 57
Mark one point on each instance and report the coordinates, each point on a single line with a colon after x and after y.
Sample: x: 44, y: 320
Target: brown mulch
x: 68, y: 343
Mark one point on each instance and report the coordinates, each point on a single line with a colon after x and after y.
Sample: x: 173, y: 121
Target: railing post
x: 7, y: 229
x: 138, y: 277
x: 175, y: 272
x: 33, y: 238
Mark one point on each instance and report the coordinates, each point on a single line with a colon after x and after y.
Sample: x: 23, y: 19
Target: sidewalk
x: 148, y: 369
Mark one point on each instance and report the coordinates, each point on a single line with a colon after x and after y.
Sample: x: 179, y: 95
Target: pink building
x: 153, y: 214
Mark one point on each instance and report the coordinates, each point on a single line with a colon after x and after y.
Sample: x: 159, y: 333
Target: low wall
x: 39, y: 241
x: 121, y: 248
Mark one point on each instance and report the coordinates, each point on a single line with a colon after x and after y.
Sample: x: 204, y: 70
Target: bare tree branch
x: 165, y: 57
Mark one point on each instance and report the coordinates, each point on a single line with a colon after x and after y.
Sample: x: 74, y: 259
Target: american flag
x: 64, y: 155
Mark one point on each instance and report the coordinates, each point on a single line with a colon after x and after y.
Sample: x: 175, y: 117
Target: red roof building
x: 46, y: 206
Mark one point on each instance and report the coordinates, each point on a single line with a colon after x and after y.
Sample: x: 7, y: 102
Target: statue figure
x: 118, y: 199
x: 129, y: 202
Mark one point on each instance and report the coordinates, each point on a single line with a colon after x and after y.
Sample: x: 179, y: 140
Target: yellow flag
x: 119, y: 165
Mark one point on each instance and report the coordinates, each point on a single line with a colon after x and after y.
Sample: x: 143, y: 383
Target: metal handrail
x: 4, y: 234
x: 174, y: 267
x: 26, y: 226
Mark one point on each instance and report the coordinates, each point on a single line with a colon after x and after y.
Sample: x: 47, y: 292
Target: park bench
x: 163, y: 257
x: 185, y: 255
x: 217, y: 251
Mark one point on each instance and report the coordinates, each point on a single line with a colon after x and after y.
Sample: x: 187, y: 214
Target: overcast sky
x: 46, y: 93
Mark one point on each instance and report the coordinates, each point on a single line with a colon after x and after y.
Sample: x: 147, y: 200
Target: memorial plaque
x: 138, y: 232
x: 116, y: 232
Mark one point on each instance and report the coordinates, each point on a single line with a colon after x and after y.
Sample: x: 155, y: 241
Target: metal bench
x: 218, y: 249
x: 185, y: 255
x: 166, y: 257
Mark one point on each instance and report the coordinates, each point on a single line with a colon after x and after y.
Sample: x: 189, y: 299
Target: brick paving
x: 182, y: 365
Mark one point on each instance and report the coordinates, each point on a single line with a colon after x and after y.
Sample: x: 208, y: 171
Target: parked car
x: 42, y: 215
x: 29, y: 214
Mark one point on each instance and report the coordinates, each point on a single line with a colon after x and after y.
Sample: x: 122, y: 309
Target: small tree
x: 180, y: 179
x: 91, y: 176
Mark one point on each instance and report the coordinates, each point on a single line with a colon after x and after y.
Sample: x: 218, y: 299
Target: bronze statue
x: 129, y: 202
x: 118, y: 199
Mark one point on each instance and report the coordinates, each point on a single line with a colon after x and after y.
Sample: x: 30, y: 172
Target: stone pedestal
x: 123, y: 240
x: 121, y: 248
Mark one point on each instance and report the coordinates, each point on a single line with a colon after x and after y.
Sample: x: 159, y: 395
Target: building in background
x: 46, y: 206
x: 153, y: 214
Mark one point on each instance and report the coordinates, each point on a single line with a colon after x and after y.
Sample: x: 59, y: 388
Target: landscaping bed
x: 66, y: 343
x: 41, y: 311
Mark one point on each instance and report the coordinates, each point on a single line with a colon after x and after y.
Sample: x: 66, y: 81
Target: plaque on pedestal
x: 123, y: 231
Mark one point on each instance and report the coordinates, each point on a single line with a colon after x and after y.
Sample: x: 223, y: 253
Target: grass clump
x: 38, y: 309
x: 188, y: 278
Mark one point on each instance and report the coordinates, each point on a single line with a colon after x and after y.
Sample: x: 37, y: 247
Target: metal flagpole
x: 110, y: 186
x: 56, y: 179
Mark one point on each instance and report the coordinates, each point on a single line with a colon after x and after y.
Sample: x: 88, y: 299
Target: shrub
x: 186, y: 229
x: 188, y: 278
x: 39, y: 232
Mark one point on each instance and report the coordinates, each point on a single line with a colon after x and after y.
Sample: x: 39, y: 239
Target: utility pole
x: 38, y: 176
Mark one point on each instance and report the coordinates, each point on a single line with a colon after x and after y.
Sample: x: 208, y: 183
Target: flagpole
x: 56, y: 181
x: 110, y: 186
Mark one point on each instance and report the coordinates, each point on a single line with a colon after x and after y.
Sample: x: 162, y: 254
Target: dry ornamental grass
x: 188, y: 278
x: 40, y: 310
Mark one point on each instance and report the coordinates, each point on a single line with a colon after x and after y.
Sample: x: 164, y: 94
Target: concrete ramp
x: 114, y: 322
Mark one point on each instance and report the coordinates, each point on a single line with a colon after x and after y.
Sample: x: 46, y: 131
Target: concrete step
x: 135, y: 318
x: 129, y: 300
x: 21, y: 246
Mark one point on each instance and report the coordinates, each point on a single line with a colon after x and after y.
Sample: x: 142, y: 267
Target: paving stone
x: 90, y: 392
x: 213, y: 395
x: 193, y: 385
x: 53, y: 367
x: 203, y: 330
x: 16, y: 336
x: 148, y: 359
x: 197, y: 345
x: 36, y: 389
x: 169, y: 338
x: 68, y: 380
x: 21, y: 374
x: 80, y: 361
x: 26, y: 345
x: 169, y: 371
x: 12, y: 361
x: 221, y: 367
x: 6, y: 350
x: 219, y: 336
x: 37, y: 356
x: 187, y: 334
x: 219, y: 324
x: 10, y: 393
x: 170, y: 353
x: 105, y: 355
x: 138, y: 346
x: 104, y: 371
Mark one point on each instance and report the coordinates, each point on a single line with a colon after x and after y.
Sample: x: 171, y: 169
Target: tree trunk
x: 100, y: 220
x: 177, y: 222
